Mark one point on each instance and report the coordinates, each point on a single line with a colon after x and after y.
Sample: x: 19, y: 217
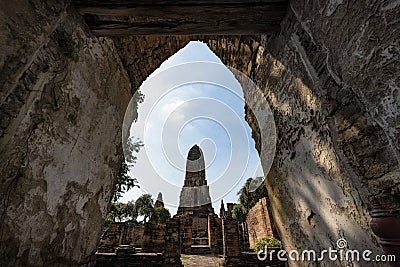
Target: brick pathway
x: 200, y: 260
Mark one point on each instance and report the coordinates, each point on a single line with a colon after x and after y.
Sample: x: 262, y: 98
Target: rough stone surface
x: 153, y: 238
x: 331, y: 77
x: 60, y: 135
x: 258, y: 222
x: 195, y: 193
x: 230, y: 235
x: 324, y: 79
x: 120, y: 233
x: 173, y: 245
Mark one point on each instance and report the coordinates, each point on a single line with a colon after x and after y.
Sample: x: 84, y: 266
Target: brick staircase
x: 200, y: 250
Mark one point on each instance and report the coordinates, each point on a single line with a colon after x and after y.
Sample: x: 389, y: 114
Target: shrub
x: 270, y: 242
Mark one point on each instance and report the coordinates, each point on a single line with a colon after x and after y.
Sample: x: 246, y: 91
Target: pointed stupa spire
x: 159, y: 201
x: 195, y: 168
x: 222, y: 209
x: 195, y: 194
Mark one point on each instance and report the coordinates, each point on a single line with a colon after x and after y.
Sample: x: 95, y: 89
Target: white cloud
x: 174, y: 117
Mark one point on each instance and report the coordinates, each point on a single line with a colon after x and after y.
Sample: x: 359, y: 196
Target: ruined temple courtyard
x: 195, y: 236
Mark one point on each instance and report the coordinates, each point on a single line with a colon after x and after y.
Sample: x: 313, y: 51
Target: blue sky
x: 192, y: 99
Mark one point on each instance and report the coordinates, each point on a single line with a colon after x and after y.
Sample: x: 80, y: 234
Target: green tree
x: 247, y: 197
x: 117, y: 212
x: 130, y: 211
x: 239, y: 213
x: 124, y: 181
x: 144, y: 206
x: 132, y: 147
x: 161, y: 215
x: 120, y: 211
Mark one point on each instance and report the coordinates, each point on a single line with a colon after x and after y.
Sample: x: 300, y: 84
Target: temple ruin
x: 328, y: 69
x: 196, y: 229
x: 195, y: 203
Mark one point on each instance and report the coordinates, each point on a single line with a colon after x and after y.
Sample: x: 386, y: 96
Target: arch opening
x: 194, y: 110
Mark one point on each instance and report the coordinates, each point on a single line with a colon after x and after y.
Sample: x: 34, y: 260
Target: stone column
x: 212, y: 235
x: 231, y: 244
x: 244, y: 237
x: 186, y: 224
x: 146, y: 241
x: 246, y: 244
x: 172, y: 253
x: 219, y: 235
x: 240, y: 229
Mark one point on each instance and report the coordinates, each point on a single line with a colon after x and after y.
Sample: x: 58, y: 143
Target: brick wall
x: 258, y: 222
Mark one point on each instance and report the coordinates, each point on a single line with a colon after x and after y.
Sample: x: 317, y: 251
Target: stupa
x: 195, y: 195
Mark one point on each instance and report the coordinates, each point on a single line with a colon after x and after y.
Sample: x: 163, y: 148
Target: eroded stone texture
x: 332, y: 147
x: 258, y: 222
x: 195, y: 197
x: 146, y: 53
x: 60, y: 135
x: 331, y: 79
x: 366, y: 71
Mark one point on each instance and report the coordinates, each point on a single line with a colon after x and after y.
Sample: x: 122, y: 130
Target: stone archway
x: 330, y: 77
x: 332, y: 180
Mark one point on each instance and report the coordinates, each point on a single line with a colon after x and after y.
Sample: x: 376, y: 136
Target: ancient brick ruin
x: 329, y: 72
x: 195, y: 210
x: 258, y: 222
x: 195, y: 229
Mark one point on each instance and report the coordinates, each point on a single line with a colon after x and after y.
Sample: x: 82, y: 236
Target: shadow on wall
x: 331, y: 150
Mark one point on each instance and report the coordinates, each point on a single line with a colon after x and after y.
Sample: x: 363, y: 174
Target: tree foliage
x: 239, y: 213
x: 124, y: 181
x: 247, y: 197
x: 161, y: 215
x: 269, y: 242
x: 144, y: 206
x: 132, y: 147
x: 120, y: 211
x: 69, y: 46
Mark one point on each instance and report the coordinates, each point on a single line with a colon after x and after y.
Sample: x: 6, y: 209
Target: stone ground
x: 201, y: 260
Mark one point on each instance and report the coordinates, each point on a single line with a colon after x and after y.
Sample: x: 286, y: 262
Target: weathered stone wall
x: 230, y: 236
x: 59, y: 135
x: 330, y: 77
x: 173, y: 245
x: 330, y: 81
x: 134, y: 235
x: 244, y: 237
x: 354, y: 49
x: 146, y: 53
x: 258, y: 222
x: 121, y: 233
x: 153, y: 238
x: 112, y: 237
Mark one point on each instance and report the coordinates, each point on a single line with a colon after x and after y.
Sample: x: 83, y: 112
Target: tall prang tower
x: 195, y: 195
